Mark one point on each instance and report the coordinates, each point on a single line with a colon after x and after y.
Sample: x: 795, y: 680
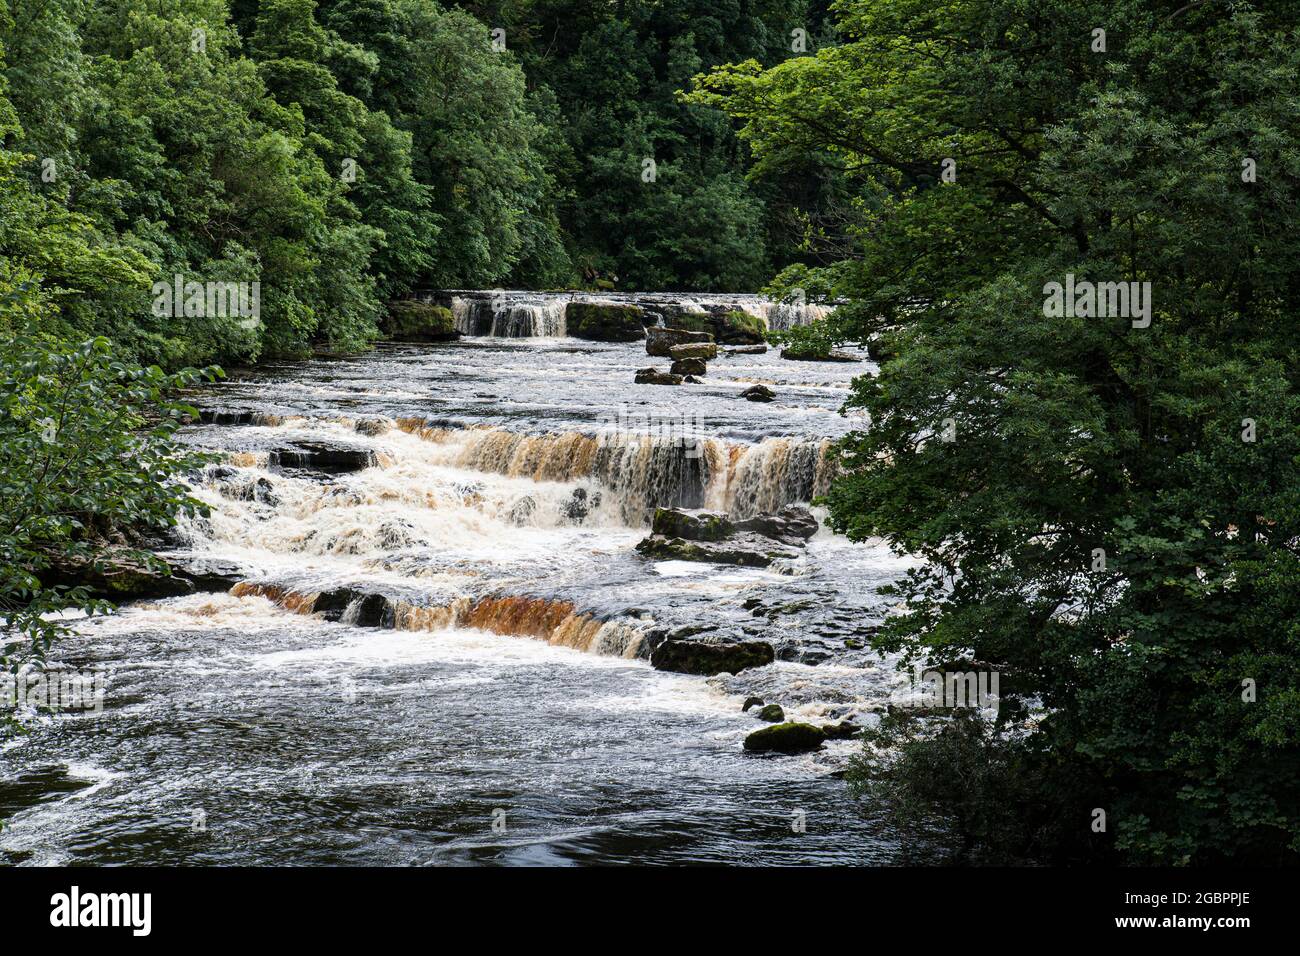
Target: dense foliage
x: 1108, y: 510
x: 341, y: 152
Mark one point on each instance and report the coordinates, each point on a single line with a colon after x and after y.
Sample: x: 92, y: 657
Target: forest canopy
x: 340, y: 153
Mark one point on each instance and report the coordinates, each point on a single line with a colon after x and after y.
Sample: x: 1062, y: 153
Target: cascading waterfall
x: 503, y: 318
x: 507, y: 314
x: 558, y: 623
x: 415, y: 512
x: 645, y: 472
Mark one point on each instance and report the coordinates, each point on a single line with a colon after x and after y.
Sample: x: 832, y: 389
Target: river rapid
x: 506, y: 713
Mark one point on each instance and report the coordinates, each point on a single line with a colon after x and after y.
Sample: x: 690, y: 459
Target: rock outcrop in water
x: 798, y: 354
x: 704, y: 351
x: 655, y: 376
x: 660, y: 341
x: 788, y: 738
x: 707, y: 656
x: 682, y: 535
x: 411, y: 321
x: 324, y: 457
x: 600, y: 322
x: 758, y: 393
x: 113, y: 574
x: 729, y: 326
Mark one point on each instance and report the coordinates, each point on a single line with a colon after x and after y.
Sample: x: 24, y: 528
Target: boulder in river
x: 793, y: 524
x: 659, y: 341
x: 742, y: 550
x: 678, y: 534
x: 691, y: 525
x: 818, y: 355
x: 354, y: 607
x: 706, y: 657
x: 604, y: 322
x: 772, y: 713
x: 655, y: 376
x: 788, y: 738
x: 732, y: 327
x: 751, y: 702
x: 844, y: 730
x: 114, y: 574
x: 689, y: 366
x: 324, y: 457
x: 409, y: 320
x: 704, y: 351
x: 758, y: 393
x: 747, y: 350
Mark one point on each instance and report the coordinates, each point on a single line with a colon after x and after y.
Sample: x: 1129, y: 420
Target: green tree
x: 1106, y: 509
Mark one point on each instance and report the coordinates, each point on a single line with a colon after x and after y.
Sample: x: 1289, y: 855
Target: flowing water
x: 507, y: 712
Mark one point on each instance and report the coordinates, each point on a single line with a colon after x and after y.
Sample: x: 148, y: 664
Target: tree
x: 1106, y: 507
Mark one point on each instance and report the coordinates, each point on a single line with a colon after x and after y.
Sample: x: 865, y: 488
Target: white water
x: 501, y: 522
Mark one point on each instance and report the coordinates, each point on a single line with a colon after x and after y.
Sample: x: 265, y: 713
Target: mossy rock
x: 740, y: 328
x: 816, y: 353
x: 788, y: 738
x: 412, y: 321
x: 706, y: 658
x: 730, y: 328
x: 602, y: 322
x: 691, y: 525
x: 772, y: 713
x: 748, y: 551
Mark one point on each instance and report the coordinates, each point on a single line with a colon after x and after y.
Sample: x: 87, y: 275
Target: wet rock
x: 844, y: 730
x: 354, y: 607
x: 600, y: 322
x: 691, y: 525
x: 772, y: 713
x: 371, y: 427
x: 703, y: 351
x: 223, y: 416
x: 654, y: 376
x: 818, y: 355
x: 730, y: 326
x: 742, y: 550
x: 659, y: 341
x: 758, y: 393
x: 751, y: 702
x: 580, y: 505
x: 691, y: 380
x: 682, y: 535
x: 706, y: 657
x: 689, y: 366
x: 396, y: 535
x: 322, y: 457
x: 411, y: 321
x: 113, y: 574
x: 747, y: 350
x: 208, y: 574
x: 791, y: 738
x: 522, y: 511
x: 793, y: 524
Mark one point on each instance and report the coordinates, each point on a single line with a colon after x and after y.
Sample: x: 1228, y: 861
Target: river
x: 507, y: 714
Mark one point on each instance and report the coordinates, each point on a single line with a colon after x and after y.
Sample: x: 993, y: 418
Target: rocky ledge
x: 683, y: 535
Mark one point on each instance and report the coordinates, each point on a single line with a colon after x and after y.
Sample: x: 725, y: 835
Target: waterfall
x: 559, y: 623
x: 644, y: 472
x: 502, y: 317
x: 522, y: 314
